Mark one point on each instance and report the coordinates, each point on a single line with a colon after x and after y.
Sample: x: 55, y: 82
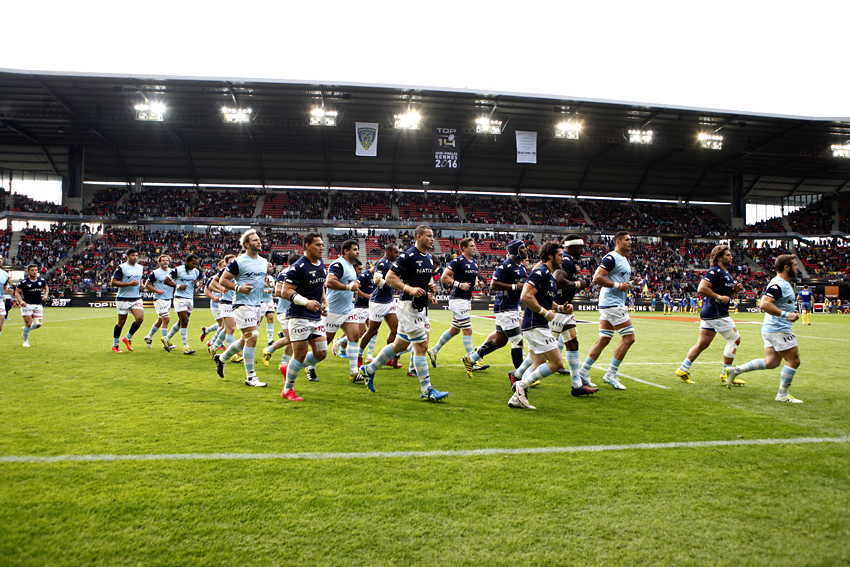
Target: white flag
x: 526, y: 147
x: 367, y: 138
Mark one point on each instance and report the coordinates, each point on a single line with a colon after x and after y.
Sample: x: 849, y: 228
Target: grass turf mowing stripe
x: 408, y: 454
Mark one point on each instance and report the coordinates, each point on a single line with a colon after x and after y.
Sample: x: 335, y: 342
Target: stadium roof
x: 42, y: 114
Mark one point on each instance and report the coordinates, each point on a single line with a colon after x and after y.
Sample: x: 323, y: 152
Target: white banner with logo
x: 367, y: 138
x: 526, y: 147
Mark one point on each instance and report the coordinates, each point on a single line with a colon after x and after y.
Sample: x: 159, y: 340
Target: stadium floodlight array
x: 486, y: 125
x: 710, y: 141
x: 153, y: 112
x: 640, y: 136
x: 236, y: 114
x: 568, y: 130
x: 840, y: 150
x: 408, y: 121
x: 322, y: 117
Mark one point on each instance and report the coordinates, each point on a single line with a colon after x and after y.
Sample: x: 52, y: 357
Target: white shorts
x: 3, y: 309
x: 460, y: 309
x: 305, y: 329
x: 335, y: 320
x: 717, y: 325
x: 507, y: 320
x: 561, y: 321
x: 184, y: 304
x: 247, y: 316
x: 377, y: 311
x: 125, y: 307
x: 33, y: 311
x: 162, y: 307
x: 779, y: 341
x: 214, y: 309
x: 267, y: 307
x: 540, y: 340
x: 413, y: 324
x: 225, y: 310
x: 362, y: 314
x: 281, y: 318
x: 614, y: 315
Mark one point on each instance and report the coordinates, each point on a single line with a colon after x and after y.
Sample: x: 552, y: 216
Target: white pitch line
x: 416, y: 454
x: 633, y: 378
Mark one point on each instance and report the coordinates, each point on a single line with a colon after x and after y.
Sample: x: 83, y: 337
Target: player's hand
x: 793, y: 316
x: 313, y: 305
x: 243, y: 286
x: 159, y: 291
x: 464, y: 286
x: 623, y: 286
x: 355, y: 287
x: 417, y: 291
x: 23, y: 303
x: 739, y: 287
x: 724, y: 299
x: 325, y: 310
x: 432, y: 298
x: 550, y: 315
x: 568, y: 308
x: 132, y: 283
x: 181, y: 287
x: 432, y: 286
x: 217, y: 298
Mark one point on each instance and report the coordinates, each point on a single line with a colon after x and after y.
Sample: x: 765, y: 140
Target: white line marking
x: 633, y: 378
x: 415, y: 454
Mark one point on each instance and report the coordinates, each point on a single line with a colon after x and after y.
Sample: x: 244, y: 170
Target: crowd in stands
x: 295, y: 205
x: 23, y: 203
x: 103, y: 202
x: 225, y: 204
x: 814, y: 219
x: 492, y: 210
x: 432, y: 207
x: 555, y: 212
x: 5, y: 239
x: 827, y: 259
x: 47, y: 247
x: 361, y: 206
x: 844, y: 213
x: 153, y: 202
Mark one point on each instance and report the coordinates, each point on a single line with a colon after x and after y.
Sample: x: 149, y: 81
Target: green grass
x: 785, y: 504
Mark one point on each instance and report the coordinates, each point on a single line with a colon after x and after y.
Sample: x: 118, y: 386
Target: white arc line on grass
x: 409, y: 454
x: 635, y: 379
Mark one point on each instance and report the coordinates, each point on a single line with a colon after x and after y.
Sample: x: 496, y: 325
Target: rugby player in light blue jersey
x: 155, y: 283
x: 213, y: 292
x: 4, y: 288
x: 614, y: 276
x: 246, y: 276
x: 128, y: 279
x: 718, y: 287
x: 342, y: 285
x: 267, y: 306
x: 283, y: 341
x: 182, y: 279
x: 778, y: 304
x: 225, y: 310
x: 382, y: 303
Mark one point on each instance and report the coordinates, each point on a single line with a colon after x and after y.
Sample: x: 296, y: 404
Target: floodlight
x: 408, y: 121
x: 640, y: 136
x: 568, y: 130
x: 236, y: 114
x: 708, y: 141
x: 321, y: 117
x: 150, y: 112
x: 840, y: 150
x: 485, y: 125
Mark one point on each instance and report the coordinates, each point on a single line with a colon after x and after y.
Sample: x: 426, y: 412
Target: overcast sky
x: 752, y: 56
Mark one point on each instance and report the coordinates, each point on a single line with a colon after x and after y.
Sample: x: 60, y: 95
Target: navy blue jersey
x: 31, y: 290
x: 207, y: 286
x: 415, y: 269
x: 309, y: 281
x: 543, y: 281
x: 367, y: 286
x: 382, y: 294
x: 465, y: 271
x: 722, y: 284
x: 508, y: 272
x: 569, y: 266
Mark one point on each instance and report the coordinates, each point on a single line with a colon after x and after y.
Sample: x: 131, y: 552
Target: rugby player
x: 283, y: 341
x: 127, y: 278
x: 182, y: 279
x: 342, y: 284
x: 366, y: 280
x: 382, y: 303
x: 31, y: 294
x: 806, y: 296
x: 267, y: 307
x: 155, y: 282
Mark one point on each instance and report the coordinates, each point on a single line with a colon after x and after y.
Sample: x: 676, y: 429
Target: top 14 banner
x: 446, y: 148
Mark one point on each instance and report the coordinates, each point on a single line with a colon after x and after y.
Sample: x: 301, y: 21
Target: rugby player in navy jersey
x: 304, y: 288
x: 718, y: 288
x: 462, y: 276
x: 382, y: 303
x: 411, y: 274
x: 282, y: 307
x: 538, y: 297
x: 564, y: 325
x: 507, y: 282
x: 31, y: 294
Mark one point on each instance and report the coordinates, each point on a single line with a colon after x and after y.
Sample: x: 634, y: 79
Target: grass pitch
x: 232, y: 475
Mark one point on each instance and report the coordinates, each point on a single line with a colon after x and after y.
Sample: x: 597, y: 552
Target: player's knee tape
x: 248, y: 335
x: 609, y: 333
x: 514, y: 336
x: 731, y: 348
x: 37, y: 321
x: 322, y: 346
x: 465, y: 324
x: 626, y: 331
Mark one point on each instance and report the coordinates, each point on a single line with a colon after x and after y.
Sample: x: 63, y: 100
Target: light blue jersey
x: 157, y: 279
x: 268, y: 297
x: 4, y: 279
x: 127, y: 273
x: 783, y: 297
x: 181, y: 276
x: 282, y: 304
x: 619, y: 271
x: 247, y: 270
x: 341, y: 302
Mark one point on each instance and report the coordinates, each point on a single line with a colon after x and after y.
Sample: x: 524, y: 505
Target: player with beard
x: 128, y: 278
x: 283, y: 341
x: 182, y: 279
x: 382, y: 303
x: 31, y: 294
x: 342, y: 285
x: 155, y: 283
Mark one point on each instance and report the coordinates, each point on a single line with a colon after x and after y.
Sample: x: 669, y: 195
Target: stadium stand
x: 360, y: 206
x: 154, y: 202
x: 225, y: 204
x: 556, y: 212
x: 492, y: 210
x: 417, y: 208
x: 103, y: 202
x: 24, y: 203
x: 814, y: 219
x: 294, y: 205
x: 830, y: 258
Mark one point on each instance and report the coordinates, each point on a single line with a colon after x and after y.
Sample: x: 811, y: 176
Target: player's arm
x: 209, y: 293
x: 448, y: 278
x: 563, y: 283
x: 169, y: 282
x: 45, y: 292
x: 226, y: 281
x: 705, y: 290
x: 528, y: 297
x: 395, y: 282
x: 768, y: 305
x: 149, y: 287
x: 278, y: 290
x: 333, y: 282
x: 292, y: 296
x: 496, y: 285
x: 19, y: 297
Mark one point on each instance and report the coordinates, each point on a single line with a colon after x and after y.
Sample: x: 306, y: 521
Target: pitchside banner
x: 366, y: 134
x: 446, y: 148
x: 526, y: 147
